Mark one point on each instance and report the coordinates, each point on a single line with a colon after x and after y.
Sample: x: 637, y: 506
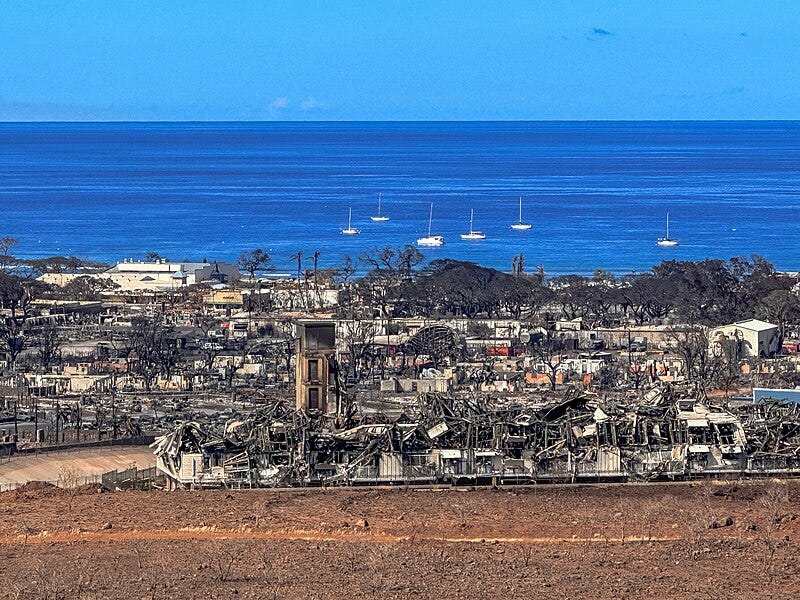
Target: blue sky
x: 428, y: 60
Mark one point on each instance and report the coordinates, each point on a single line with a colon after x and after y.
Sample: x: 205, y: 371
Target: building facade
x: 745, y: 339
x: 315, y: 347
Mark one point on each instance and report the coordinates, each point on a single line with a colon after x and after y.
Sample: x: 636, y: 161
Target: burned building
x: 458, y: 440
x: 315, y: 346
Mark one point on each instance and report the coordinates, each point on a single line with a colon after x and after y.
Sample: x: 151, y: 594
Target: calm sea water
x: 596, y: 192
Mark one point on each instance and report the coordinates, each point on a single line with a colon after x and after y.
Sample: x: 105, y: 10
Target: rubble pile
x: 445, y: 439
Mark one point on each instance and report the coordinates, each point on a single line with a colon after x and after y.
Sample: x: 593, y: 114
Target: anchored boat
x: 667, y: 241
x: 350, y: 229
x: 430, y: 240
x: 379, y: 216
x: 472, y: 235
x: 521, y: 225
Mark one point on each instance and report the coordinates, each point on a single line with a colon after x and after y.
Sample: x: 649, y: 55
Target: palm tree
x: 316, y: 282
x: 299, y: 258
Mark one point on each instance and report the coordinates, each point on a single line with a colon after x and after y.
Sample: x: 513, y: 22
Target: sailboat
x: 521, y: 226
x: 379, y: 216
x: 667, y: 241
x: 350, y: 229
x: 430, y: 240
x: 472, y: 235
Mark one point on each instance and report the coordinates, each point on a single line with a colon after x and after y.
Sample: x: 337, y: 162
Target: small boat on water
x: 666, y: 241
x: 350, y: 229
x: 521, y: 226
x: 430, y: 241
x: 472, y: 235
x: 379, y: 216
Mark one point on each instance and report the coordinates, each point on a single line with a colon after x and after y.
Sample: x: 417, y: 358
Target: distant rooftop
x: 755, y: 325
x: 161, y: 266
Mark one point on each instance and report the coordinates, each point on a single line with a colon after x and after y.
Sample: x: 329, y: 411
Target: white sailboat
x: 472, y: 235
x: 521, y: 226
x: 350, y: 229
x: 379, y: 216
x: 430, y: 240
x: 667, y: 241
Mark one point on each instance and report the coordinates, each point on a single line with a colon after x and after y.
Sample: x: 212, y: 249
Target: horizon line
x: 589, y: 120
x: 212, y: 121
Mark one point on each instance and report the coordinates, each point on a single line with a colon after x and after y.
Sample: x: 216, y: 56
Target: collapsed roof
x: 459, y: 439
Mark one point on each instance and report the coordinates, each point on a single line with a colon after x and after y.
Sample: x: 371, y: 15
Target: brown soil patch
x: 728, y: 540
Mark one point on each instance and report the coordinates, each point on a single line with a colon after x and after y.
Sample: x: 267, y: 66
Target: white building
x: 746, y: 338
x: 166, y: 275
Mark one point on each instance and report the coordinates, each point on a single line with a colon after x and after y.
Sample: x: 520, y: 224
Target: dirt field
x: 726, y: 540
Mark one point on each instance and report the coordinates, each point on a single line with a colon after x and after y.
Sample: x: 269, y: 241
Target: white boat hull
x: 521, y: 226
x: 666, y: 241
x: 350, y: 230
x: 472, y: 235
x: 379, y: 219
x: 431, y: 241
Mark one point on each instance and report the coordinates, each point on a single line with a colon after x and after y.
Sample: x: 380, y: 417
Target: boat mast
x: 471, y: 214
x: 667, y: 225
x: 520, y: 209
x: 379, y: 204
x: 430, y: 218
x: 349, y: 217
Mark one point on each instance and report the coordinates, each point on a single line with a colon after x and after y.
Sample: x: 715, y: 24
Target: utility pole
x: 78, y: 415
x: 316, y: 283
x: 299, y: 257
x: 16, y: 402
x: 113, y: 416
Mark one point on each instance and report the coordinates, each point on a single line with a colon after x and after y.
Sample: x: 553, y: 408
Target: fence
x: 133, y: 478
x: 127, y: 479
x: 141, y: 440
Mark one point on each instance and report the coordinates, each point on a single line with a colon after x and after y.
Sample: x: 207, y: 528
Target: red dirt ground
x: 707, y: 540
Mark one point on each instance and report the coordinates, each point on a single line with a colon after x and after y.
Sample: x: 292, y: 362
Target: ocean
x: 596, y: 192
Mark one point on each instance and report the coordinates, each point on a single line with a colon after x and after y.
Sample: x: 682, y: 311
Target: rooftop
x: 755, y: 325
x: 156, y: 267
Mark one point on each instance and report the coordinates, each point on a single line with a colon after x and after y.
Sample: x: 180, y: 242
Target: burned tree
x: 153, y: 345
x: 346, y: 270
x: 780, y: 307
x: 254, y: 260
x: 14, y: 296
x: 644, y: 297
x: 283, y: 347
x: 87, y: 288
x: 7, y: 244
x: 389, y: 269
x: 301, y: 301
x: 13, y: 339
x: 437, y: 342
x: 48, y: 345
x: 209, y: 347
x: 693, y: 345
x: 357, y: 337
x: 549, y: 349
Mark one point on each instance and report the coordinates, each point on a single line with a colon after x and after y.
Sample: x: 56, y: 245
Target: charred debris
x: 460, y: 440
